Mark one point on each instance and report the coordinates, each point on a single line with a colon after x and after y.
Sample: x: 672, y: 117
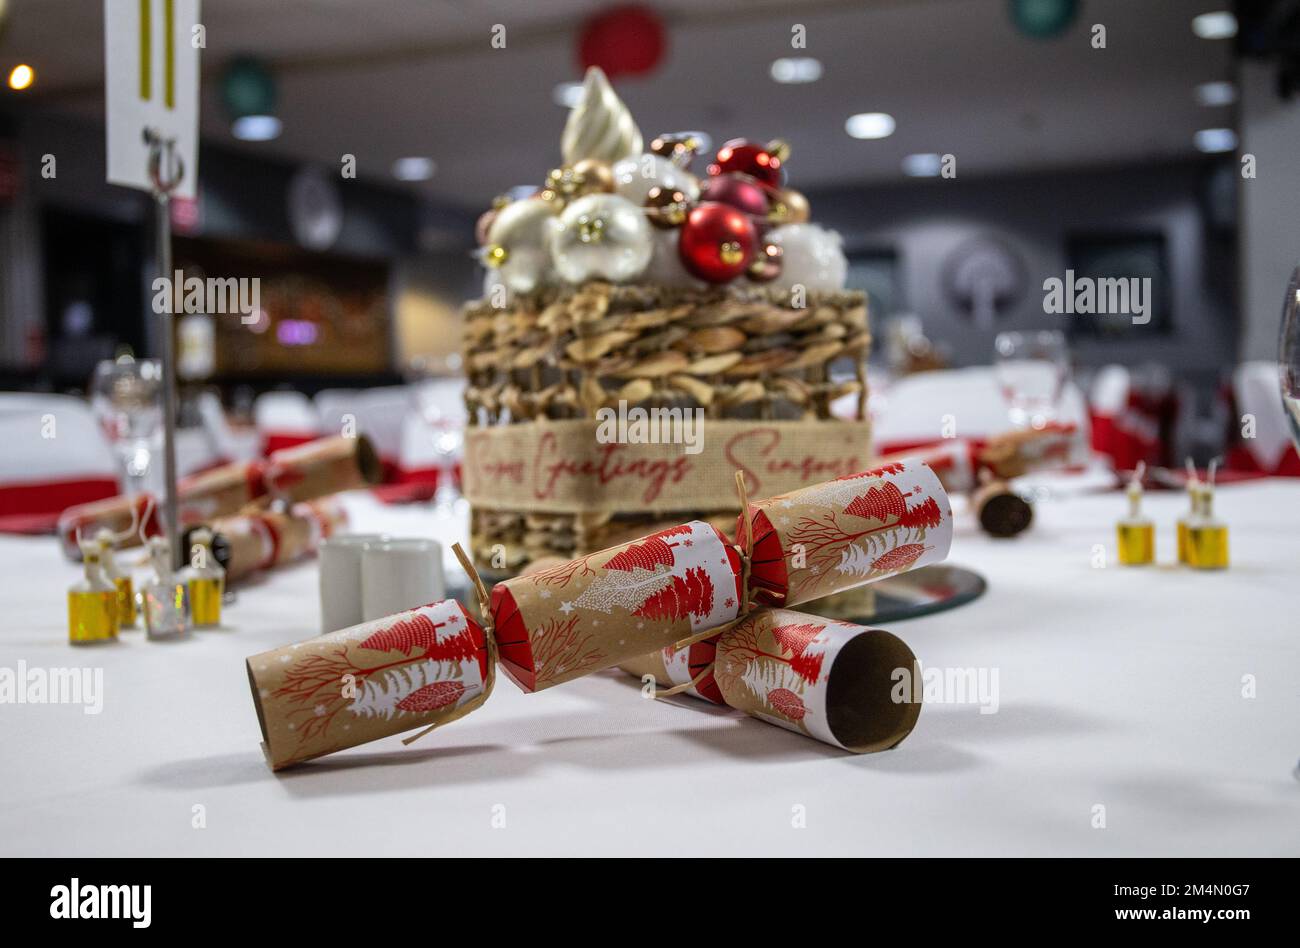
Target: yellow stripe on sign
x: 146, y: 50
x: 169, y: 52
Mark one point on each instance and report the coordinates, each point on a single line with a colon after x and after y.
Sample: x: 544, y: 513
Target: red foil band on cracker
x: 594, y: 612
x: 845, y: 533
x: 423, y: 667
x: 832, y: 681
x: 316, y: 469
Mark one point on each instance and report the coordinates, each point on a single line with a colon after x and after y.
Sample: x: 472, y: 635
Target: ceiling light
x: 567, y: 94
x: 1212, y: 141
x: 414, y: 169
x: 1216, y: 93
x: 792, y: 70
x: 924, y: 165
x: 256, y: 128
x: 1213, y: 26
x: 21, y: 77
x: 870, y: 125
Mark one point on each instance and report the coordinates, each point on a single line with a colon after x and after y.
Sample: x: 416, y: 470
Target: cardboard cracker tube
x: 845, y: 533
x: 425, y: 666
x: 583, y: 615
x: 306, y: 472
x: 322, y: 467
x: 832, y: 681
x: 263, y: 539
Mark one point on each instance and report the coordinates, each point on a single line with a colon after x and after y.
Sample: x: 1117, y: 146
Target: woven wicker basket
x: 564, y: 352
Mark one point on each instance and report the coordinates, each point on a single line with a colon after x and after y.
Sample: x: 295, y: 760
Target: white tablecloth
x: 1120, y: 688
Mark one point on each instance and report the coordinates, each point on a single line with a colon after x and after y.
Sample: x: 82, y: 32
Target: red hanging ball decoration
x: 624, y: 41
x: 742, y: 155
x: 737, y: 190
x: 717, y: 242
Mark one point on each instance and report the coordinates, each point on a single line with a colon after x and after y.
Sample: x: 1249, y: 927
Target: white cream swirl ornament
x: 600, y: 125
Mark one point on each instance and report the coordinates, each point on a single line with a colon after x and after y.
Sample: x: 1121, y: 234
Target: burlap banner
x: 561, y: 467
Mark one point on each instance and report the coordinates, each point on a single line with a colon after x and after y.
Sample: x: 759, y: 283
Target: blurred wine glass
x: 1289, y: 356
x: 439, y: 397
x: 1032, y: 368
x: 126, y: 398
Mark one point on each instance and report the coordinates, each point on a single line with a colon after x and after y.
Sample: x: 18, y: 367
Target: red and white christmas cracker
x: 832, y: 681
x: 604, y: 608
x: 420, y: 668
x: 322, y: 467
x: 845, y: 533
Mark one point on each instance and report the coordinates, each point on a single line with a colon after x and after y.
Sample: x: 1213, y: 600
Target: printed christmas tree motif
x: 844, y: 490
x: 404, y: 635
x: 623, y: 591
x: 316, y: 683
x: 881, y: 502
x: 746, y: 663
x: 829, y: 545
x: 440, y: 694
x: 899, y: 558
x: 690, y: 596
x: 795, y: 639
x: 389, y: 693
x: 856, y: 561
x: 648, y: 554
x: 787, y: 703
x: 560, y: 647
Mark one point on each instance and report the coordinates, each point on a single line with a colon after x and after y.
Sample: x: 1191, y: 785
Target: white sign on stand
x: 151, y: 63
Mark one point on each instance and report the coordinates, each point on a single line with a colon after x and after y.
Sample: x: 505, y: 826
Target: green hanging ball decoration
x: 1043, y: 19
x: 248, y: 88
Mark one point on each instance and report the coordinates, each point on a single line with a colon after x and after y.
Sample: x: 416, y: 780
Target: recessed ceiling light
x: 870, y: 125
x: 256, y: 128
x: 1216, y: 93
x: 792, y: 70
x: 1212, y: 141
x: 1213, y: 26
x: 924, y: 165
x: 21, y: 77
x: 567, y: 94
x: 414, y: 169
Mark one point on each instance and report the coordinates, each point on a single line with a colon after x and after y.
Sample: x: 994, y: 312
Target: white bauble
x: 666, y: 267
x: 601, y: 237
x: 522, y: 229
x: 811, y: 256
x: 634, y: 177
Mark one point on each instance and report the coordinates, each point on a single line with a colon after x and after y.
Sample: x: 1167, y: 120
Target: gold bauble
x: 593, y: 175
x: 789, y: 207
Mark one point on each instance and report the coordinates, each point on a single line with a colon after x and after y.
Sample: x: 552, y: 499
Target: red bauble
x: 625, y: 41
x: 744, y: 156
x: 737, y: 190
x: 717, y: 242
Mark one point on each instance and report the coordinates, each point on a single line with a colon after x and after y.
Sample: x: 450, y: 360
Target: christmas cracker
x: 829, y: 680
x: 305, y: 472
x: 262, y: 539
x: 845, y: 533
x: 569, y: 620
x: 421, y: 668
x: 962, y: 463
